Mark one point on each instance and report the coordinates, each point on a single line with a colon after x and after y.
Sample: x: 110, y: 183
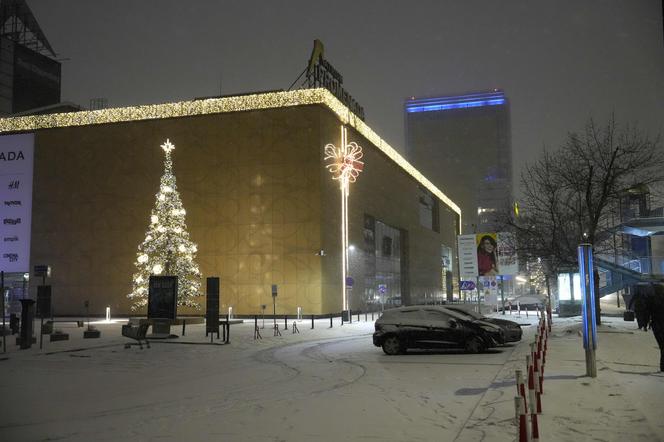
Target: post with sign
x: 502, y: 292
x: 349, y: 288
x: 42, y: 271
x: 274, y: 304
x: 588, y: 294
x: 44, y: 309
x: 382, y: 289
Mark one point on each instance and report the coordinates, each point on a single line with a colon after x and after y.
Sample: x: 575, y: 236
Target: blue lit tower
x: 462, y: 143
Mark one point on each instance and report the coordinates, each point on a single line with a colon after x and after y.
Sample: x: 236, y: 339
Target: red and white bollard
x: 544, y: 352
x: 521, y: 386
x: 535, y: 428
x: 521, y: 419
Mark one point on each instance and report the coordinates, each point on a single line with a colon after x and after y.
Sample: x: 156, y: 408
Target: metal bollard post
x: 521, y: 387
x: 312, y: 322
x: 184, y: 322
x: 365, y: 316
x: 228, y: 329
x: 358, y: 316
x: 372, y: 315
x: 257, y: 333
x: 330, y: 320
x: 285, y: 322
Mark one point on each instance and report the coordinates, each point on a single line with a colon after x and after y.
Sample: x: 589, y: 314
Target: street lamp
x: 26, y: 278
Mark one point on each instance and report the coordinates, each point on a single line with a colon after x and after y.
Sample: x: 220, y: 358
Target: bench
x: 48, y: 325
x: 137, y: 333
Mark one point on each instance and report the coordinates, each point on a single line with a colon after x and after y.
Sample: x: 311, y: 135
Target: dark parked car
x: 511, y: 329
x: 427, y: 326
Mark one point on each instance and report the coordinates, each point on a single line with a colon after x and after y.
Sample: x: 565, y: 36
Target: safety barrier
x: 528, y: 407
x: 368, y: 316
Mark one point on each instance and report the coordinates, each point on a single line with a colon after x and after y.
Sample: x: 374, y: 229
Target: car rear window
x: 410, y: 314
x: 435, y: 315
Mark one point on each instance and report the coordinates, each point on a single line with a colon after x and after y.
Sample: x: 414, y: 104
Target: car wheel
x: 474, y: 345
x: 392, y: 346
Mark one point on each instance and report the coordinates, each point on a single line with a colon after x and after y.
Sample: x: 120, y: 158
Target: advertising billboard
x: 487, y: 254
x: 16, y: 163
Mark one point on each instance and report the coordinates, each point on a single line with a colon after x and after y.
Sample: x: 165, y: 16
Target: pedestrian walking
x: 655, y: 308
x: 638, y: 304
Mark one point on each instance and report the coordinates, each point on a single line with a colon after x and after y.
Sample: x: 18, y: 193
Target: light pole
x: 344, y: 163
x: 588, y: 295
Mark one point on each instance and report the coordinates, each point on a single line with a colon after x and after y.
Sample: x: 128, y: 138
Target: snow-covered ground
x: 324, y: 384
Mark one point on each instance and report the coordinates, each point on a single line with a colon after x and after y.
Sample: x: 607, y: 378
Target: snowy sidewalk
x: 623, y: 403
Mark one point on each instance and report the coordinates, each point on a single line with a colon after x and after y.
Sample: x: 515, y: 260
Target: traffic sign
x: 467, y: 285
x: 42, y: 270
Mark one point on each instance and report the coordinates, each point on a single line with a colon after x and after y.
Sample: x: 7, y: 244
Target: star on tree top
x: 168, y: 146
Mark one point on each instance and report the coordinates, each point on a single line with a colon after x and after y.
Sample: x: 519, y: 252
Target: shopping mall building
x: 260, y: 204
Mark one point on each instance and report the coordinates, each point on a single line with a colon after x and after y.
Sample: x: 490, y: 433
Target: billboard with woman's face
x: 487, y: 254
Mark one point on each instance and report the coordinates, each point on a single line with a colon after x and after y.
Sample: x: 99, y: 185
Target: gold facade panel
x: 259, y: 203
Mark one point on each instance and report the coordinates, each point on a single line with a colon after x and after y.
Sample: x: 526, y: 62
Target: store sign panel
x: 467, y: 255
x: 16, y: 167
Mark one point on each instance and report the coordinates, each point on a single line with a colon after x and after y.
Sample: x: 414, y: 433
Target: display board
x: 16, y: 167
x: 43, y: 301
x: 162, y: 297
x: 212, y: 306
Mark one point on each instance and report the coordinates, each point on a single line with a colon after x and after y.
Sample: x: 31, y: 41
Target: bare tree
x: 569, y: 194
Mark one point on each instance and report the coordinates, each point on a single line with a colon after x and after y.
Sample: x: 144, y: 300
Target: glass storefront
x: 15, y: 289
x: 388, y: 264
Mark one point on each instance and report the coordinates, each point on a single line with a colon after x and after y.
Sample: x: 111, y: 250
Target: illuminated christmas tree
x: 166, y: 249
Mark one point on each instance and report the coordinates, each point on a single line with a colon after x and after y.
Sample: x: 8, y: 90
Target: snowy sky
x: 559, y: 62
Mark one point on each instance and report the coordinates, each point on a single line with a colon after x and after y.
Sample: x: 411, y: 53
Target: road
x: 325, y: 384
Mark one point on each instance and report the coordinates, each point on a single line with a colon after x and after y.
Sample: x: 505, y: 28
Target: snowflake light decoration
x: 345, y: 164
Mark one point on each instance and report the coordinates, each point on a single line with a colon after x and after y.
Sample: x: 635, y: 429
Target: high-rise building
x: 29, y: 74
x: 462, y: 143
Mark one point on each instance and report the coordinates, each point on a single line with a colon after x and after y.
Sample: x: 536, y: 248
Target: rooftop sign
x: 320, y: 73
